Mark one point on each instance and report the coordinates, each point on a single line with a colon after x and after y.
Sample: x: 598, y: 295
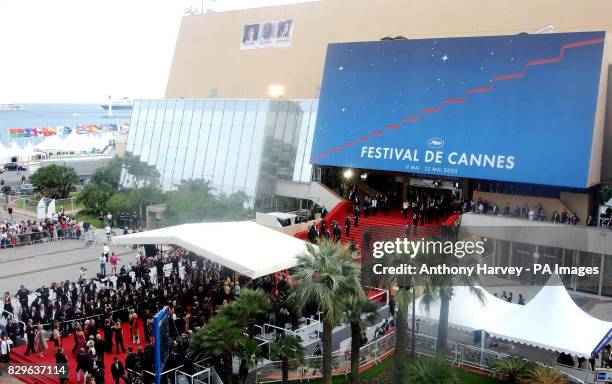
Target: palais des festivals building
x: 479, y: 99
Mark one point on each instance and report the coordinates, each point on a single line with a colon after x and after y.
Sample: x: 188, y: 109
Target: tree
x: 247, y: 307
x: 140, y: 172
x: 94, y: 198
x: 248, y: 352
x: 357, y: 311
x: 440, y: 287
x: 512, y: 368
x: 403, y: 289
x: 103, y: 184
x: 219, y: 339
x: 325, y: 276
x: 545, y: 375
x: 195, y: 201
x: 427, y: 371
x: 285, y: 348
x: 54, y: 180
x: 109, y: 175
x: 120, y: 202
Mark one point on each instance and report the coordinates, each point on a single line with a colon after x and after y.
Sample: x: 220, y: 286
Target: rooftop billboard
x: 515, y: 108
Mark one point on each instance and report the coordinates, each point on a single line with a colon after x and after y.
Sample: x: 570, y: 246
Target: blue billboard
x: 515, y: 108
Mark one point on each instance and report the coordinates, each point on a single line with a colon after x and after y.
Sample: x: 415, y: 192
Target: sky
x: 82, y: 51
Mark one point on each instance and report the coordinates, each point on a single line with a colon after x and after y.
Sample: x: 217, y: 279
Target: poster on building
x: 518, y: 108
x: 269, y: 34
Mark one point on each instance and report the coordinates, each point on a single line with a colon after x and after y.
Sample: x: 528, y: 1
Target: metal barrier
x: 459, y: 354
x: 24, y: 239
x: 308, y: 332
x: 205, y: 375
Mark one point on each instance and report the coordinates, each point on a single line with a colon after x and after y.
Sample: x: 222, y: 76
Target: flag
x: 15, y: 132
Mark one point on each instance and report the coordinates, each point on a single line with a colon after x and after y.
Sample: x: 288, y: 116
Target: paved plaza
x: 41, y: 264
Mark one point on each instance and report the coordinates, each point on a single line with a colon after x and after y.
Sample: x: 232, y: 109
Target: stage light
x: 276, y: 90
x: 348, y: 173
x: 364, y: 176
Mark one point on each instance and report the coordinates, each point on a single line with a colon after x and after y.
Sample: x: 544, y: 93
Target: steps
x: 391, y: 225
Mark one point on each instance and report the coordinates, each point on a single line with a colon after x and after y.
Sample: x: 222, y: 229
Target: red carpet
x: 392, y: 224
x: 18, y: 357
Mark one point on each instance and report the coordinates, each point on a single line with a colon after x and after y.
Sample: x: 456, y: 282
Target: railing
x: 584, y: 375
x: 459, y: 354
x: 23, y: 239
x: 307, y: 332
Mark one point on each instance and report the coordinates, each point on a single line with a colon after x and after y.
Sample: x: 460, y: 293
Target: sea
x: 54, y: 115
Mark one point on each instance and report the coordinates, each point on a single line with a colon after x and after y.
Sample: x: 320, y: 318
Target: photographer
x: 22, y: 294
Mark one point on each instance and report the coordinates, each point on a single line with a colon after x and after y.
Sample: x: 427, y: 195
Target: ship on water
x: 118, y: 105
x: 12, y: 107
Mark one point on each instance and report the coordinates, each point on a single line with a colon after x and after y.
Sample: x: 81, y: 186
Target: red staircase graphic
x: 463, y: 99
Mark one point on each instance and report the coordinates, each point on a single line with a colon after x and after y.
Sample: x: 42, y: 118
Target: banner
x: 517, y: 108
x: 63, y: 130
x: 40, y: 209
x: 163, y: 342
x: 51, y: 208
x: 269, y: 34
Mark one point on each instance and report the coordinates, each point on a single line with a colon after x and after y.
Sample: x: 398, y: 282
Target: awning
x: 551, y: 320
x: 466, y: 311
x: 246, y: 247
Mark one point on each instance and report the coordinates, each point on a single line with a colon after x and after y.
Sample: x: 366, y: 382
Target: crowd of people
x: 57, y: 227
x: 91, y: 312
x: 535, y: 213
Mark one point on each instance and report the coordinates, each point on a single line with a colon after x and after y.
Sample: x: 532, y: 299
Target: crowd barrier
x: 23, y: 239
x: 458, y: 354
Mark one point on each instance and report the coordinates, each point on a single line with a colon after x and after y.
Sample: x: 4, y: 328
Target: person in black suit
x: 347, y: 225
x: 100, y: 348
x: 130, y: 363
x: 60, y: 359
x: 117, y: 370
x: 98, y: 374
x: 118, y: 331
x: 108, y: 336
x: 30, y: 335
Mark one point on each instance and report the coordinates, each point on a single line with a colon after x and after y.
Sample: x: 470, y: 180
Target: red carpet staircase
x: 388, y: 226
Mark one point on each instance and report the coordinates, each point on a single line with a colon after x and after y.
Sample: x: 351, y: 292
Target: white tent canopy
x: 551, y: 320
x: 466, y: 311
x: 243, y: 246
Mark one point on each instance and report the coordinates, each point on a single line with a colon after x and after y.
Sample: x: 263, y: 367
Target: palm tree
x: 219, y: 338
x: 357, y: 311
x: 244, y: 310
x: 545, y: 375
x: 403, y: 288
x: 248, y: 353
x: 325, y: 275
x: 441, y: 287
x: 247, y: 307
x: 427, y: 371
x: 285, y: 348
x: 512, y: 368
